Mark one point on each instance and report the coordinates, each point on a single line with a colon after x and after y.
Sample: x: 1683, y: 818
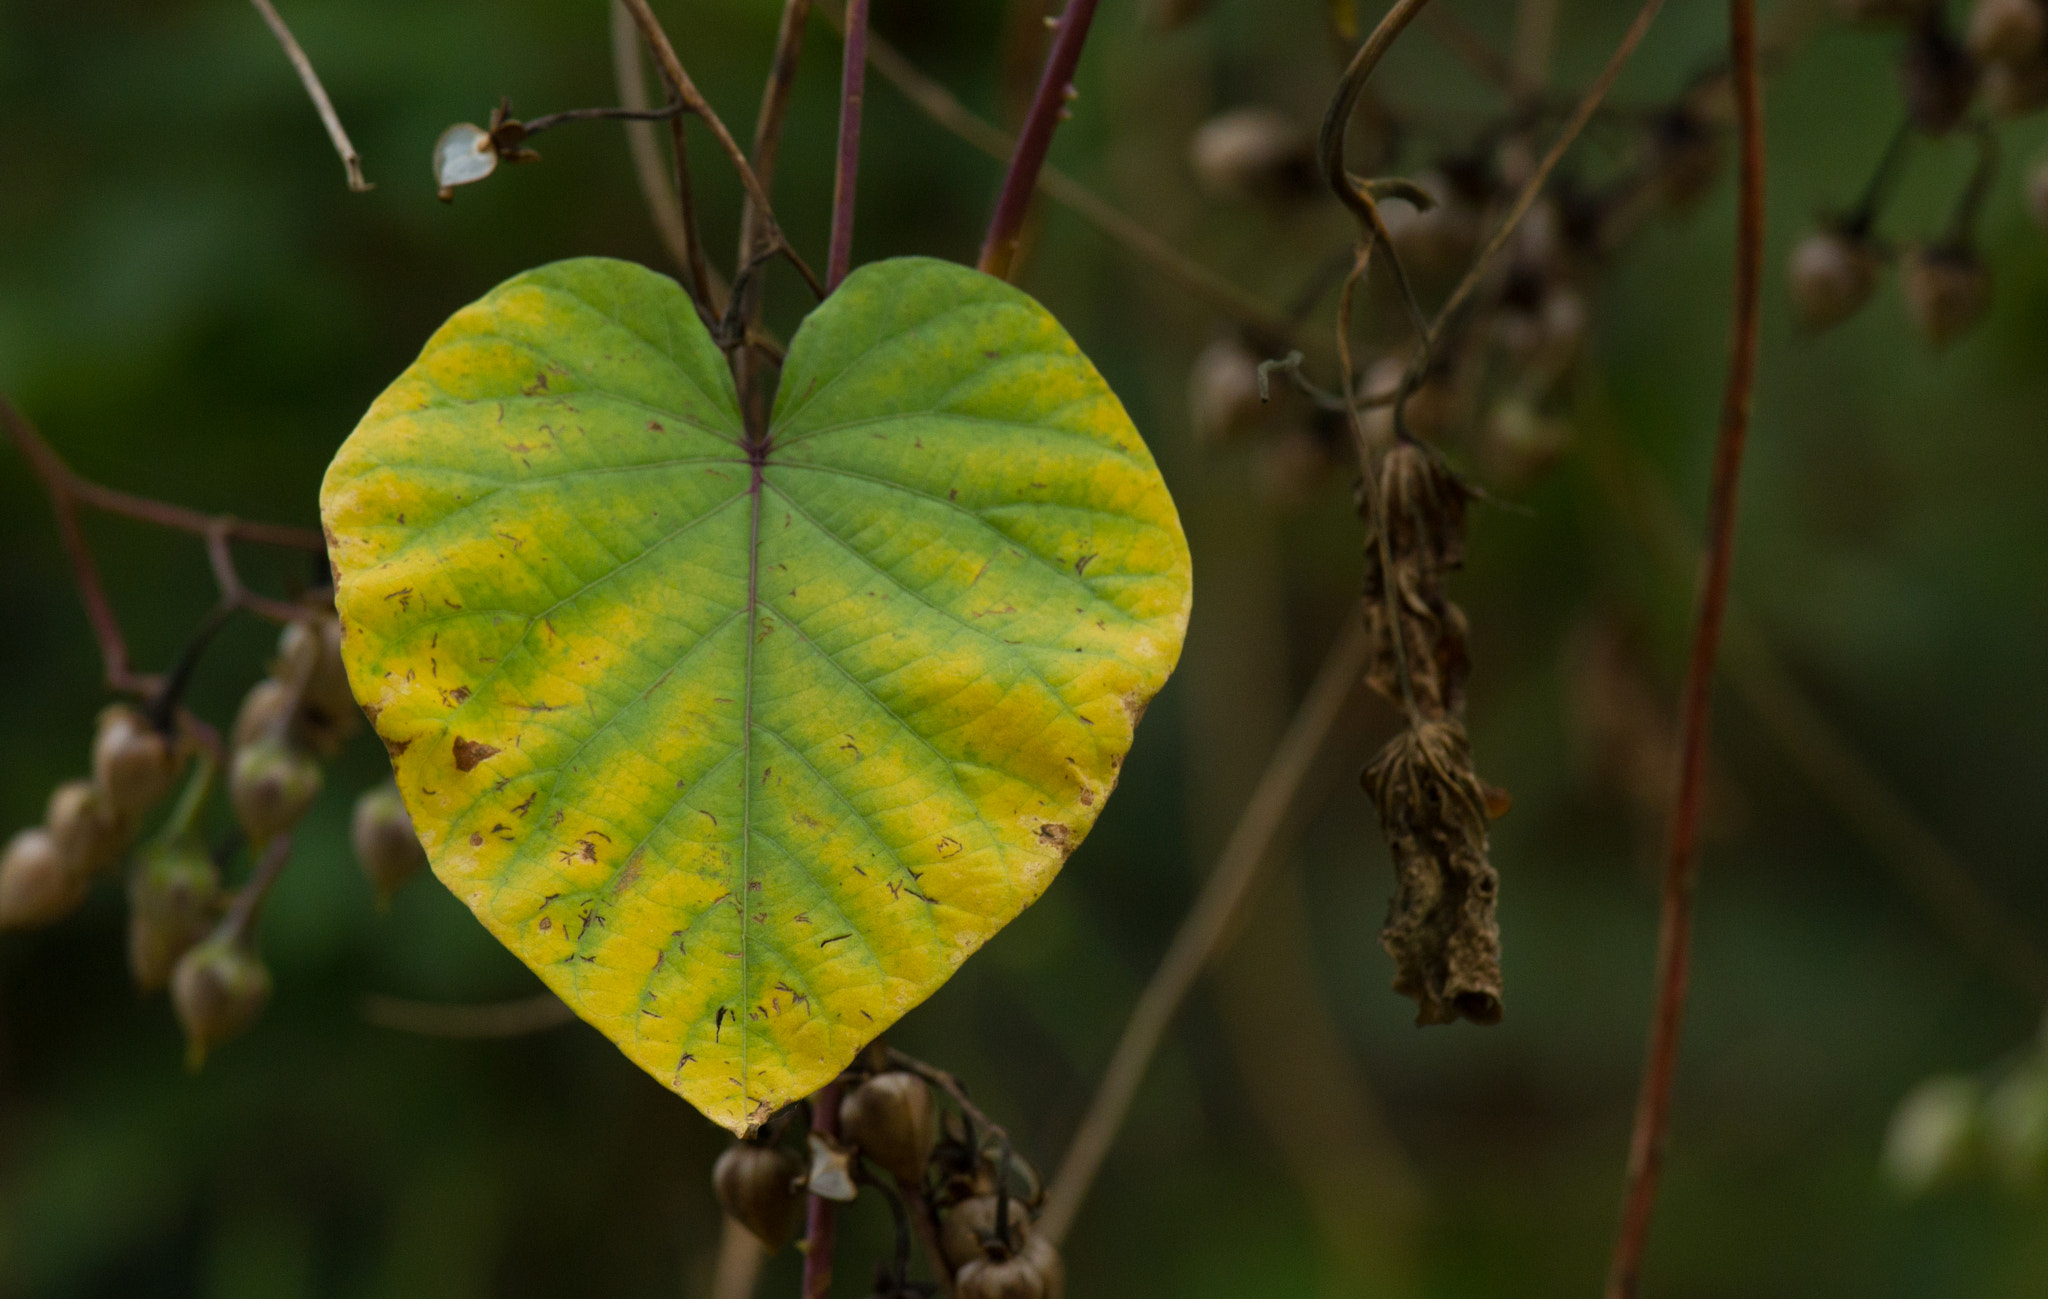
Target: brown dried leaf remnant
x: 1441, y: 927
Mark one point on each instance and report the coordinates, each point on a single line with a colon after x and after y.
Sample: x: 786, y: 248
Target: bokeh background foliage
x: 192, y: 305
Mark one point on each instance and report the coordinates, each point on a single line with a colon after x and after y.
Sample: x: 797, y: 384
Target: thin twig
x: 1238, y: 868
x: 1589, y: 104
x: 499, y: 1019
x: 248, y: 900
x: 820, y: 1218
x: 853, y: 76
x: 1048, y: 106
x: 350, y: 159
x: 925, y: 1223
x: 932, y: 99
x: 1470, y: 47
x: 1674, y: 947
x: 661, y: 201
x: 67, y: 490
x: 756, y: 220
x: 681, y: 86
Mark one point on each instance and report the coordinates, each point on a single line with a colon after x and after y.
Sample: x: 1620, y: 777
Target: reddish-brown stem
x: 1674, y: 945
x: 248, y: 900
x: 1048, y: 106
x: 853, y: 77
x: 820, y: 1220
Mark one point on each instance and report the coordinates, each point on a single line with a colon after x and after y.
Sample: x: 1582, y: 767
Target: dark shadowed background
x: 193, y: 306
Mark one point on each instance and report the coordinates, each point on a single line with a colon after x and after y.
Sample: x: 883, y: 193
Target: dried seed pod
x: 36, y: 887
x: 174, y: 900
x: 1948, y: 290
x: 2037, y: 193
x: 1440, y: 241
x: 1832, y: 273
x: 1257, y: 154
x: 133, y: 763
x: 1223, y: 391
x: 2007, y: 31
x: 327, y: 712
x: 386, y: 846
x: 967, y: 1227
x: 1520, y: 442
x: 1292, y: 465
x: 1937, y: 76
x: 271, y: 784
x: 891, y: 1119
x: 760, y: 1188
x: 218, y: 989
x: 88, y: 838
x: 2016, y: 1125
x: 2016, y: 89
x: 1935, y: 1134
x: 266, y: 712
x: 1034, y: 1272
x: 1686, y: 155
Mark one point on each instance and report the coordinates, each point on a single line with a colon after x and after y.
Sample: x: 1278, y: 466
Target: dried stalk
x: 680, y: 85
x: 757, y: 221
x: 1243, y: 860
x: 350, y: 159
x: 1048, y: 106
x: 1674, y: 948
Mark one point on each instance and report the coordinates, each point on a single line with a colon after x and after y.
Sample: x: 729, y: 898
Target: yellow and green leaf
x: 744, y: 745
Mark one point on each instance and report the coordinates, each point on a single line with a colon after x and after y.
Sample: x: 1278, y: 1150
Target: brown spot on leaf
x: 470, y: 752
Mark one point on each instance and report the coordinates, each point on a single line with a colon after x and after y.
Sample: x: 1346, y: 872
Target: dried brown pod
x: 1421, y: 509
x: 1256, y: 154
x: 966, y: 1228
x: 1936, y: 1134
x: 36, y: 887
x: 1937, y: 76
x: 759, y: 1187
x: 266, y: 712
x: 88, y: 837
x: 1223, y: 391
x: 1292, y: 465
x: 1832, y: 273
x: 133, y: 763
x: 2016, y: 89
x: 174, y: 901
x: 1519, y: 442
x: 1441, y: 927
x: 218, y: 989
x: 309, y: 652
x: 2006, y: 31
x: 1441, y: 240
x: 2037, y: 193
x: 1948, y: 290
x: 1034, y: 1272
x: 387, y: 848
x: 271, y: 783
x: 892, y: 1121
x: 1686, y: 157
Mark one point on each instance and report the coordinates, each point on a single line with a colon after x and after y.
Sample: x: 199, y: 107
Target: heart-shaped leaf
x: 746, y: 744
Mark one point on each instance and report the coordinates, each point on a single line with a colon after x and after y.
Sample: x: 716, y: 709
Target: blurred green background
x: 192, y: 306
